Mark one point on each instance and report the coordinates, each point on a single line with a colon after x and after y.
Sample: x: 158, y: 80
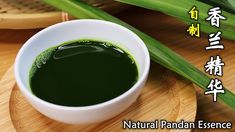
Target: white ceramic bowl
x: 82, y: 29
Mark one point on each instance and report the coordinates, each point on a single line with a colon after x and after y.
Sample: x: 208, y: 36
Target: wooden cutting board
x: 31, y: 14
x: 165, y: 96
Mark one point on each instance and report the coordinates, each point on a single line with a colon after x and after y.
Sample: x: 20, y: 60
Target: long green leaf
x: 227, y: 5
x: 159, y: 53
x: 180, y: 9
x: 232, y: 3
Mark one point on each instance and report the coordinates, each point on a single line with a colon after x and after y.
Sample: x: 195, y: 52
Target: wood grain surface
x: 32, y: 14
x: 170, y: 32
x: 165, y: 96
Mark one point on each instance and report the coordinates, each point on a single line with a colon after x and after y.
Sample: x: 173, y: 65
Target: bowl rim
x: 26, y: 92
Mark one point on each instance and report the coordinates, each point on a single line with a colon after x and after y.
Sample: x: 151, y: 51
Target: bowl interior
x: 74, y: 30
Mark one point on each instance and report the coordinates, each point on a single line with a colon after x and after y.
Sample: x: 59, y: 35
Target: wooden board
x: 165, y: 96
x: 31, y: 14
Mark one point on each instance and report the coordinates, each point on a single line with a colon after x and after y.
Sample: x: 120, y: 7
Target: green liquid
x: 82, y: 73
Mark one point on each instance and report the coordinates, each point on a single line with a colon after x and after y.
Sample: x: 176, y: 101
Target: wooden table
x: 170, y: 32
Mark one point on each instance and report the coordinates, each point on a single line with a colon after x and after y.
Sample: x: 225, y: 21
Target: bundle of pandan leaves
x: 159, y: 52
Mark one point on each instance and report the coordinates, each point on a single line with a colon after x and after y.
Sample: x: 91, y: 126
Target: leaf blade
x: 180, y: 8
